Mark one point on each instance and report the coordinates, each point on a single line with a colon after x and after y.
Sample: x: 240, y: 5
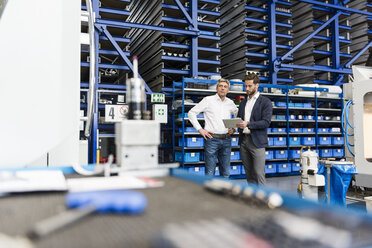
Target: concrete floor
x: 288, y: 185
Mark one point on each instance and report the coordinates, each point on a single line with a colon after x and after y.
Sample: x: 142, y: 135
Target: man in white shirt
x: 217, y: 136
x: 255, y: 111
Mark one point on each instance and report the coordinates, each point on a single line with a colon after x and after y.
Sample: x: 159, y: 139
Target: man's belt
x: 221, y: 136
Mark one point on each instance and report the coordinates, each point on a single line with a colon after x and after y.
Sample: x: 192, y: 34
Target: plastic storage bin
x: 281, y: 104
x: 309, y: 117
x: 197, y: 170
x: 307, y: 105
x: 270, y: 168
x: 279, y: 130
x: 189, y: 157
x: 324, y: 141
x: 235, y: 156
x: 308, y: 141
x: 291, y: 105
x: 335, y: 130
x: 320, y: 118
x: 300, y: 117
x: 234, y: 141
x: 295, y: 130
x: 325, y: 153
x: 296, y: 166
x: 338, y: 141
x: 270, y: 141
x: 280, y: 141
x: 294, y: 141
x: 323, y: 130
x: 281, y: 154
x: 292, y: 117
x: 188, y: 130
x: 338, y: 153
x: 299, y: 105
x: 235, y: 170
x: 294, y: 153
x: 269, y: 155
x: 284, y: 167
x: 308, y: 130
x: 192, y: 142
x: 280, y: 117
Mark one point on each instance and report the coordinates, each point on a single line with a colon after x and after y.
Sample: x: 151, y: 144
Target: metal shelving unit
x: 182, y: 91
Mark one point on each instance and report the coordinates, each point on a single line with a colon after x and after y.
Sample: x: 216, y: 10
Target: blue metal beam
x: 184, y: 12
x: 338, y: 7
x: 273, y: 72
x: 121, y: 24
x: 316, y: 68
x: 103, y: 29
x: 194, y: 40
x: 356, y: 56
x: 310, y: 36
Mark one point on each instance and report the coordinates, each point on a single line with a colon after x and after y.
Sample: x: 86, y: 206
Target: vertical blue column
x: 194, y: 39
x: 335, y: 44
x: 273, y: 72
x: 94, y: 134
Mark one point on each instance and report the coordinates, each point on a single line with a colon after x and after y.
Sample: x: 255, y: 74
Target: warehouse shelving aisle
x: 168, y: 56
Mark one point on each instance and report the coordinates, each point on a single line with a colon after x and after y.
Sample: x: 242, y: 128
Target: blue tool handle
x: 117, y: 201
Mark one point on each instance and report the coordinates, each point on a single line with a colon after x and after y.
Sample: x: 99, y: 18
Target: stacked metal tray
x: 361, y: 25
x: 318, y: 52
x: 112, y: 69
x: 245, y: 38
x: 165, y: 57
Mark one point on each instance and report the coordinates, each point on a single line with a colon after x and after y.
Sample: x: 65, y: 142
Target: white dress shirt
x: 214, y: 110
x: 248, y: 110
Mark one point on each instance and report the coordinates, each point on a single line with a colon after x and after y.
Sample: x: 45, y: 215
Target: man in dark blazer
x: 255, y: 111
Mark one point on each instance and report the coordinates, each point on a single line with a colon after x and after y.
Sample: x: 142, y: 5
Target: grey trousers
x: 253, y: 160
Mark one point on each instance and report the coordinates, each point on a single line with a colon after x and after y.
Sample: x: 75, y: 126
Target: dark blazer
x: 259, y: 122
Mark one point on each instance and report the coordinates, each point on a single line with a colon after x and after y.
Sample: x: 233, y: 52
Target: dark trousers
x: 253, y: 160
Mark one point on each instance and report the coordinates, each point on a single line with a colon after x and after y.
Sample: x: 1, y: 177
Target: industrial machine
x: 310, y: 180
x: 357, y: 123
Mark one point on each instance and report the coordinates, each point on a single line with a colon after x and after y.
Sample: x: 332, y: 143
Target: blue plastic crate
x: 283, y: 167
x: 270, y: 141
x: 188, y: 130
x: 338, y: 141
x: 299, y: 105
x: 280, y: 154
x: 295, y: 130
x: 189, y: 157
x: 296, y: 166
x: 292, y: 117
x: 280, y: 117
x: 308, y: 117
x: 234, y: 141
x: 308, y: 130
x: 300, y: 117
x: 242, y: 170
x: 185, y: 115
x: 335, y: 130
x: 281, y: 104
x: 308, y: 141
x: 307, y: 105
x: 327, y: 118
x: 325, y: 153
x: 270, y: 168
x: 294, y: 154
x: 323, y: 130
x: 269, y: 130
x: 280, y: 141
x: 294, y: 141
x: 279, y: 130
x: 338, y: 153
x: 192, y: 142
x: 235, y: 156
x: 269, y: 155
x: 291, y: 105
x: 196, y: 170
x: 320, y: 117
x: 324, y: 141
x: 235, y: 170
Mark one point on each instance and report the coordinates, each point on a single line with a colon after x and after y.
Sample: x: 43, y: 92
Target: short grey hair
x: 222, y: 80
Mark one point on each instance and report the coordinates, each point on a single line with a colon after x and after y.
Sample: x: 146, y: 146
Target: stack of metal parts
x: 112, y: 68
x: 165, y: 57
x: 245, y: 38
x: 317, y: 52
x: 361, y: 25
